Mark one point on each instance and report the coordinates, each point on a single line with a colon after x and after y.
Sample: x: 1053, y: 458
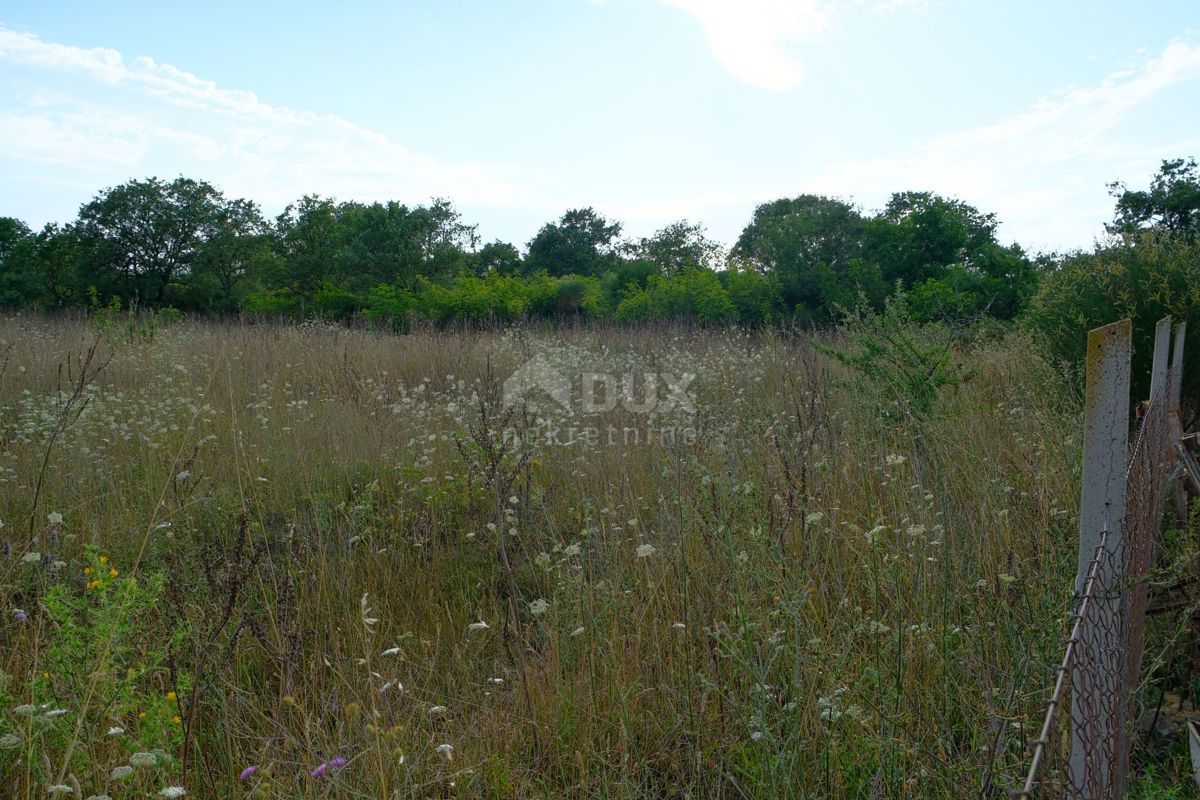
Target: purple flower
x: 333, y: 763
x: 20, y: 616
x: 247, y: 772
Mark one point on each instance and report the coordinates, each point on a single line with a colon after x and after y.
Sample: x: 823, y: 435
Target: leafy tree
x: 679, y: 247
x: 43, y: 269
x: 12, y: 231
x: 809, y: 244
x: 498, y: 257
x: 1172, y: 203
x: 997, y: 282
x: 237, y: 244
x: 308, y: 239
x: 919, y: 235
x: 581, y: 243
x: 149, y: 232
x: 446, y: 238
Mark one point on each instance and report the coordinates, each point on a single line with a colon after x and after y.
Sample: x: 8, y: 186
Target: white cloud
x: 118, y: 116
x: 1044, y: 170
x: 753, y: 39
x: 750, y: 37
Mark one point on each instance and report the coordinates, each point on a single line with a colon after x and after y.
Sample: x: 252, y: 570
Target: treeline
x: 182, y: 243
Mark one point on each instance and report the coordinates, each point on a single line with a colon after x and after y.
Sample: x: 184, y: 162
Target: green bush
x: 694, y: 295
x: 1144, y: 278
x: 755, y: 296
x: 104, y: 658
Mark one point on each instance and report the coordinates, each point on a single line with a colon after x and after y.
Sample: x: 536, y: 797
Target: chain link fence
x: 1084, y: 744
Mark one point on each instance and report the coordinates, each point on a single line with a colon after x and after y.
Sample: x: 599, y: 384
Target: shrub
x: 696, y: 295
x: 1144, y: 278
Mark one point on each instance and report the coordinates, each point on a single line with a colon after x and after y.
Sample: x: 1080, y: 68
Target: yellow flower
x: 112, y: 573
x: 103, y: 559
x: 171, y: 695
x: 93, y: 583
x: 141, y: 715
x: 87, y: 570
x: 46, y: 675
x: 176, y: 719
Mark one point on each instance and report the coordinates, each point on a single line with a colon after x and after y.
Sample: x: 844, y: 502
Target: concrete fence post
x: 1094, y: 695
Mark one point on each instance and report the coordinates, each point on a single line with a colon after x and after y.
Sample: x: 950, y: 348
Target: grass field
x: 340, y: 557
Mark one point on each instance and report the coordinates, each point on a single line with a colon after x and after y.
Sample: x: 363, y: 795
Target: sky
x: 647, y: 110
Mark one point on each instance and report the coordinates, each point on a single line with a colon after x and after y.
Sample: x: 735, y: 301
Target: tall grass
x: 811, y: 594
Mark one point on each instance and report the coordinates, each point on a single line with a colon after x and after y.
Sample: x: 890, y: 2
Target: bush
x: 696, y: 295
x: 755, y: 296
x: 1144, y: 278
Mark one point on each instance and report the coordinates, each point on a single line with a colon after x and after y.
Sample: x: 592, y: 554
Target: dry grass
x: 831, y: 604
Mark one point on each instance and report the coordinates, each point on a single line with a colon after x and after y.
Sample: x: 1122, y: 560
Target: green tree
x: 679, y: 247
x: 12, y: 231
x: 1172, y: 203
x: 237, y: 245
x: 813, y: 246
x: 919, y: 235
x: 149, y: 232
x: 582, y: 242
x: 499, y: 257
x: 308, y: 239
x: 43, y: 269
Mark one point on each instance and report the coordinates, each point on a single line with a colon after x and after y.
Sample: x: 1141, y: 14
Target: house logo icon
x: 537, y: 376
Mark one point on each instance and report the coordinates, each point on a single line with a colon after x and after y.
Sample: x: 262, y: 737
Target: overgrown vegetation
x: 312, y: 561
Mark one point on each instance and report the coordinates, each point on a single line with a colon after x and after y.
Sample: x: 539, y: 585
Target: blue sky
x: 649, y: 110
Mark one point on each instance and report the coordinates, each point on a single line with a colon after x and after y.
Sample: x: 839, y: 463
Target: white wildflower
x: 445, y: 750
x: 392, y: 651
x: 646, y: 550
x: 577, y: 632
x: 142, y: 759
x: 9, y: 741
x: 24, y: 710
x: 115, y: 730
x: 31, y: 558
x: 172, y: 791
x: 121, y: 773
x: 437, y: 711
x: 478, y: 626
x: 895, y: 460
x: 59, y: 788
x: 55, y: 518
x: 539, y: 607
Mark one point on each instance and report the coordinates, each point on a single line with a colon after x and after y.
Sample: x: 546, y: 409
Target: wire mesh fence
x: 1084, y: 744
